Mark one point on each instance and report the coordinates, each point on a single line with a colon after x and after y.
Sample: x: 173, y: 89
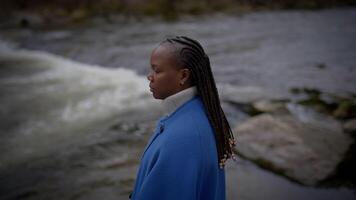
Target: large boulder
x: 304, y: 152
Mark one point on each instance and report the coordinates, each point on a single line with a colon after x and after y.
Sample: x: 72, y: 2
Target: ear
x: 184, y: 76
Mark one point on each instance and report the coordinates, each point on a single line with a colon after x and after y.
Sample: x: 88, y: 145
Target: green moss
x: 318, y: 104
x: 313, y: 100
x: 340, y: 107
x: 246, y: 108
x: 345, y: 109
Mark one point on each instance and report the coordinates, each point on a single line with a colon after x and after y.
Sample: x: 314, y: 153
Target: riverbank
x: 47, y: 14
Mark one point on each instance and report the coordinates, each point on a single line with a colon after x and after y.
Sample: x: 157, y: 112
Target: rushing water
x: 276, y: 50
x: 75, y: 131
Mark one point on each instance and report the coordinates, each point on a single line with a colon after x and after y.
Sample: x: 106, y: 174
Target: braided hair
x: 190, y: 54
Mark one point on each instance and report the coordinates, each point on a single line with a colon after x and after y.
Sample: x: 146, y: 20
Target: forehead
x: 164, y: 55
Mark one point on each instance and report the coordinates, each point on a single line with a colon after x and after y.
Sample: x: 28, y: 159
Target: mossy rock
x: 340, y: 107
x: 346, y: 109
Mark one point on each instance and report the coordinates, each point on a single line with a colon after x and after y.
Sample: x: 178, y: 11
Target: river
x: 76, y: 111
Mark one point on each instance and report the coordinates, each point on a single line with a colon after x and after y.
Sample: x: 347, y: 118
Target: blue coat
x: 180, y: 161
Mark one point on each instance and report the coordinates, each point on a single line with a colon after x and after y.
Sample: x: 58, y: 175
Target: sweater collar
x: 171, y: 103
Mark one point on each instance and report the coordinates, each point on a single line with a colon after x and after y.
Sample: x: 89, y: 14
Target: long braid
x: 192, y: 56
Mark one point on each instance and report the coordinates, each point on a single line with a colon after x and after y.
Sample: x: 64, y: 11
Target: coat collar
x: 171, y: 103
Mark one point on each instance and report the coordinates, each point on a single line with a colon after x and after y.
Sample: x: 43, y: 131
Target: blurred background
x: 76, y: 111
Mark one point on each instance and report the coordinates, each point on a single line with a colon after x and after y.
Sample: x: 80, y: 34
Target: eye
x: 155, y: 70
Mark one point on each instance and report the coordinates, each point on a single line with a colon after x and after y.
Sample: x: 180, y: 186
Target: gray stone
x: 247, y: 94
x: 303, y: 152
x: 270, y: 106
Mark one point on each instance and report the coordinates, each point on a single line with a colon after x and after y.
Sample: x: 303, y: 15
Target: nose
x: 149, y: 76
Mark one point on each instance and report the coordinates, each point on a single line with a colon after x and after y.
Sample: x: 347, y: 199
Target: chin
x: 156, y: 96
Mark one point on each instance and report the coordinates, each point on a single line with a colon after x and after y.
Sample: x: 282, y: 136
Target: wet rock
x: 350, y: 126
x: 246, y: 108
x: 315, y: 99
x: 303, y: 152
x: 341, y: 107
x: 246, y: 94
x: 309, y: 115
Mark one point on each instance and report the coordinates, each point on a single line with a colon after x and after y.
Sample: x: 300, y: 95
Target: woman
x: 185, y: 157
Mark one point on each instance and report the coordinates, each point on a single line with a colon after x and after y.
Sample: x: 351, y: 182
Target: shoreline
x: 66, y: 14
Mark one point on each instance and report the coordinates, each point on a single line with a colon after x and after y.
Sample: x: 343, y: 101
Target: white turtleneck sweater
x: 171, y: 103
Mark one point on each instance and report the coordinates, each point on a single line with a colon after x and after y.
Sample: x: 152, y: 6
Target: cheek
x: 165, y: 78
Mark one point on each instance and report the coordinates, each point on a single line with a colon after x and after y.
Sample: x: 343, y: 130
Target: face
x: 165, y: 76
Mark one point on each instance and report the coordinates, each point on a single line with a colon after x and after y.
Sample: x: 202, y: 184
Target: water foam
x: 47, y: 100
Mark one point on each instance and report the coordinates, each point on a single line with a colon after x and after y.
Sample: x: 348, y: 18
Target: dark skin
x: 166, y: 77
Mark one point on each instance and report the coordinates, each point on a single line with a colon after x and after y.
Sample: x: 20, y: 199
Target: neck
x: 171, y: 103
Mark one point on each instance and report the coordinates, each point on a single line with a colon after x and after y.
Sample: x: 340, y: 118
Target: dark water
x: 75, y: 131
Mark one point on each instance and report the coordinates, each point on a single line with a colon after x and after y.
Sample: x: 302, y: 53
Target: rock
x: 346, y: 109
x: 350, y: 126
x: 270, y: 106
x: 301, y: 151
x: 339, y: 106
x: 309, y: 115
x: 246, y: 94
